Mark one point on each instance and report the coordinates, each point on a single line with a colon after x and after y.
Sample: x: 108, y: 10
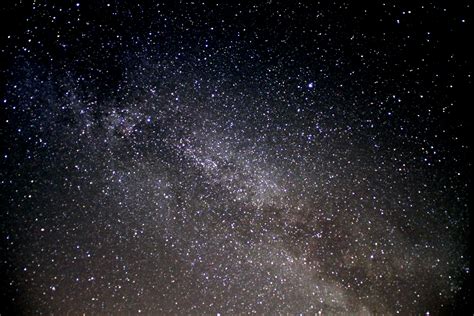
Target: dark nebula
x: 261, y: 157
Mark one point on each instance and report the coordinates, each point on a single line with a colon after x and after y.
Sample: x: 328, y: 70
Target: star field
x: 234, y: 158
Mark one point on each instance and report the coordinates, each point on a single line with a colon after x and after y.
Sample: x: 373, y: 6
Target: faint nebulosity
x: 266, y: 157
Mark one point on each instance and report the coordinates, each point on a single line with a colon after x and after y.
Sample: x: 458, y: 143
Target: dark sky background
x: 194, y: 157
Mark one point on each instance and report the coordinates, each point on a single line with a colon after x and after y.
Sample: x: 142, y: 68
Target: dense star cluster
x: 272, y: 157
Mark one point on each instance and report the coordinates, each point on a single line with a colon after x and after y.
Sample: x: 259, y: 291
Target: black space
x: 268, y: 157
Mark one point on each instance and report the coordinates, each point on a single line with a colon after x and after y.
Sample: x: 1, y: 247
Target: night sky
x: 262, y: 157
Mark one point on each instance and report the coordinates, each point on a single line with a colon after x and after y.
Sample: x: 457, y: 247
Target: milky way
x: 202, y: 158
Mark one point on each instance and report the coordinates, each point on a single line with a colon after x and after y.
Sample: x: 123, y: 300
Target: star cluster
x: 228, y: 158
